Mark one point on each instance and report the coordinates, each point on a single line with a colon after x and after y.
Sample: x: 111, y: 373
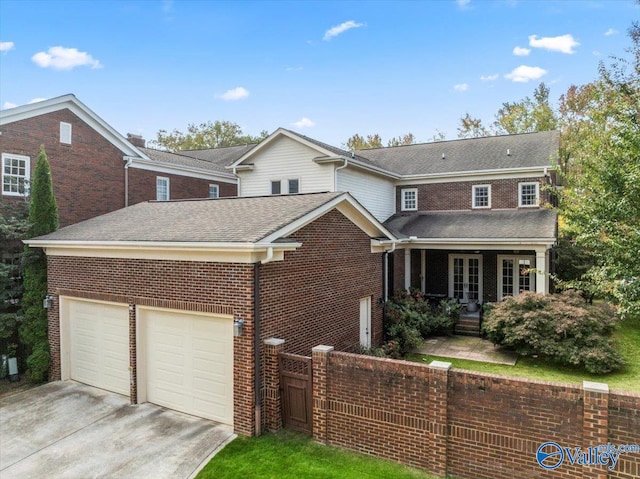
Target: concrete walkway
x: 69, y: 430
x: 466, y: 347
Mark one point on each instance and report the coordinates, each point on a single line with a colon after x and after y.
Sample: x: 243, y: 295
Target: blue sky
x: 325, y: 69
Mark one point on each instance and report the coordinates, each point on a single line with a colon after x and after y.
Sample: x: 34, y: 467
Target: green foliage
x: 527, y: 115
x: 358, y: 142
x: 410, y: 319
x: 471, y: 127
x: 43, y: 217
x: 206, y: 135
x: 562, y: 328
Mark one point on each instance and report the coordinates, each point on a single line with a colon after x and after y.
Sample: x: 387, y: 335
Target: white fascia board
x: 169, y: 168
x: 79, y: 109
x: 349, y: 207
x: 356, y: 163
x: 475, y: 243
x: 485, y: 175
x: 180, y: 251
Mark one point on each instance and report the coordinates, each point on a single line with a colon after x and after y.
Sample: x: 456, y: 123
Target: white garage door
x: 99, y: 345
x: 189, y: 363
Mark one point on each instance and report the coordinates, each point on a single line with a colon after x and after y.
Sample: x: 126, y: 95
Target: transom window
x: 214, y: 191
x: 528, y: 194
x: 294, y: 186
x: 15, y: 174
x: 481, y: 196
x: 162, y: 188
x: 409, y: 199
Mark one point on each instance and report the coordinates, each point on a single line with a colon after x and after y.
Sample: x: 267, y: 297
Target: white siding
x: 375, y: 193
x: 282, y: 160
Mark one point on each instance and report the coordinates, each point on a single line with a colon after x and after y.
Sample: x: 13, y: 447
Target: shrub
x: 410, y: 318
x: 562, y: 328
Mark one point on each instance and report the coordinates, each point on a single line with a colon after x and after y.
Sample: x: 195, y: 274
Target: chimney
x: 136, y: 140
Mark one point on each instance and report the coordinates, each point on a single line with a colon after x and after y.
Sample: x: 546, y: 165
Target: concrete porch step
x: 467, y: 326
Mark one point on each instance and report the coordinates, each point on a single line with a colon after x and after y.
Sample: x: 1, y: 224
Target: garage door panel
x: 189, y: 363
x: 99, y: 345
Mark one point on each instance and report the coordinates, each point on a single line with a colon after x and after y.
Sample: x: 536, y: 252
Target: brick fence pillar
x: 595, y: 430
x: 271, y: 399
x: 320, y: 356
x: 438, y: 422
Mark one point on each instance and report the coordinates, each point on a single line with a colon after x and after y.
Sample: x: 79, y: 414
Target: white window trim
x: 403, y: 193
x: 271, y: 187
x: 288, y: 185
x: 158, y: 178
x: 473, y: 197
x: 217, y: 189
x: 65, y: 133
x: 27, y: 173
x: 516, y: 273
x: 529, y: 183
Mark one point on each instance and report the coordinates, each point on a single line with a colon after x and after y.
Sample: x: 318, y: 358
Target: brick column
x: 438, y: 422
x: 271, y: 400
x: 595, y: 430
x: 320, y: 355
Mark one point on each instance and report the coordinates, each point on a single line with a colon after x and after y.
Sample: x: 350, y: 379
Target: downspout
x: 335, y: 173
x: 256, y: 348
x: 126, y: 181
x: 238, y: 178
x: 269, y: 257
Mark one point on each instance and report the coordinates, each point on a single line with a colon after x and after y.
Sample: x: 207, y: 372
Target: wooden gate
x: 295, y: 391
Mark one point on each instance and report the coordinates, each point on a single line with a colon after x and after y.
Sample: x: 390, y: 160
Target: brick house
x: 94, y: 169
x: 168, y: 302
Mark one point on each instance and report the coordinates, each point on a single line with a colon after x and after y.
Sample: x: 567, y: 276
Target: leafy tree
x: 43, y: 218
x: 358, y: 142
x: 14, y: 225
x: 205, y: 135
x: 527, y: 115
x: 408, y: 139
x: 471, y: 127
x: 602, y: 202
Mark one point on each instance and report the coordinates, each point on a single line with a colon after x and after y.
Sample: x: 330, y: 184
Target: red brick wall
x: 457, y: 195
x: 466, y: 424
x: 313, y: 297
x: 210, y: 287
x: 88, y: 175
x: 142, y: 186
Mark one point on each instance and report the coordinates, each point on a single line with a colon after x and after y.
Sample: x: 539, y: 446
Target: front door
x: 465, y: 277
x: 365, y: 322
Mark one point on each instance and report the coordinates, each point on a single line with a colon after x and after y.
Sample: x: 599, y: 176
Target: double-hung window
x: 15, y: 174
x: 409, y: 199
x: 214, y: 191
x: 481, y: 195
x: 294, y: 186
x: 528, y: 194
x: 276, y: 187
x: 162, y: 188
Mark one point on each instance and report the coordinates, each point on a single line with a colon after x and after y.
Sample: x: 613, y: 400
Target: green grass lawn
x: 288, y: 455
x: 628, y: 378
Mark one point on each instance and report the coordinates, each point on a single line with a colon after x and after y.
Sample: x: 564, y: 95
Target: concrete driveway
x: 69, y: 430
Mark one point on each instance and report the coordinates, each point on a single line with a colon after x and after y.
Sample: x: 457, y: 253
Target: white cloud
x: 489, y: 77
x: 61, y: 58
x: 36, y: 100
x: 524, y: 73
x: 7, y: 104
x: 562, y: 43
x: 338, y: 29
x: 304, y: 122
x: 461, y: 87
x: 234, y: 94
x: 610, y: 32
x: 521, y: 52
x: 6, y: 46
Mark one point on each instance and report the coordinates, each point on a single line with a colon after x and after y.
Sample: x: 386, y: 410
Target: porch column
x: 407, y: 269
x: 542, y: 268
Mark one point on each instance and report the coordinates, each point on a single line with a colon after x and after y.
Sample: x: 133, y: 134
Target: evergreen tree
x: 43, y: 218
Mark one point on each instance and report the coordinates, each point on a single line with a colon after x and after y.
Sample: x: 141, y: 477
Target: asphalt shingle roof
x: 220, y: 156
x: 232, y: 220
x: 508, y: 224
x: 180, y: 159
x: 489, y: 153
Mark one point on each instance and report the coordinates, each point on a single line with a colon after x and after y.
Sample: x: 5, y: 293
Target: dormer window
x: 528, y: 195
x: 409, y: 199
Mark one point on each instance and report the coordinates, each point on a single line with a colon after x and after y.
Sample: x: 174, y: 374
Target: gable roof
x: 528, y: 150
x: 221, y: 157
x: 184, y: 160
x: 81, y: 110
x: 534, y: 225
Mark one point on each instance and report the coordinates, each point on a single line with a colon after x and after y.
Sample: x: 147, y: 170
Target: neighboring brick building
x: 147, y: 307
x: 94, y: 169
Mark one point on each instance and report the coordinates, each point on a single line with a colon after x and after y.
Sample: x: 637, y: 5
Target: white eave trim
x: 358, y: 164
x: 159, y: 250
x: 477, y: 243
x: 463, y: 175
x: 170, y: 168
